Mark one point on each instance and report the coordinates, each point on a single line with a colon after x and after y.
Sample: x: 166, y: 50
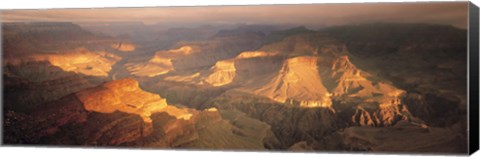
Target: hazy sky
x: 454, y: 13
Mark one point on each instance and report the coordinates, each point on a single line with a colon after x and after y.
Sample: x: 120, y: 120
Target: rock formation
x: 122, y: 95
x: 192, y: 55
x: 223, y: 73
x: 120, y: 113
x: 79, y: 60
x: 160, y: 64
x: 297, y: 80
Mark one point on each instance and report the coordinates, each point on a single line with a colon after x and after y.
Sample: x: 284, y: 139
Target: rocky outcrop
x: 160, y: 64
x: 244, y: 66
x: 79, y: 60
x: 194, y: 55
x: 324, y: 85
x: 365, y: 100
x: 120, y: 113
x: 297, y: 80
x: 430, y: 66
x: 25, y: 95
x: 385, y: 115
x: 125, y: 96
x: 230, y: 71
x: 291, y: 124
x: 222, y: 73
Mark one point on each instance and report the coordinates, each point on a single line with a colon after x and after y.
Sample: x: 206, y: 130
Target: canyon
x: 338, y: 88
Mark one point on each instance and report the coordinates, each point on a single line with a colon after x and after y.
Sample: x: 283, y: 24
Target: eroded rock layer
x: 79, y: 60
x: 120, y: 113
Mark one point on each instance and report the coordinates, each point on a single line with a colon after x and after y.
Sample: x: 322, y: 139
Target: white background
x: 74, y: 152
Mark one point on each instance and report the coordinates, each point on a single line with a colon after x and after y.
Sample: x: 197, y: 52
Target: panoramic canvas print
x: 373, y: 77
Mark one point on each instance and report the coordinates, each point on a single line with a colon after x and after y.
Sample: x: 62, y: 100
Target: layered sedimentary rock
x: 79, y: 60
x: 297, y: 80
x: 439, y: 69
x: 292, y: 124
x: 230, y: 71
x: 121, y: 113
x: 45, y: 61
x: 160, y: 64
x: 223, y: 73
x: 322, y: 82
x: 24, y: 94
x: 122, y: 95
x: 40, y: 78
x: 194, y: 55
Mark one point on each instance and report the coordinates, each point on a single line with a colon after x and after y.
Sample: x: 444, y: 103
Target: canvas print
x: 366, y: 77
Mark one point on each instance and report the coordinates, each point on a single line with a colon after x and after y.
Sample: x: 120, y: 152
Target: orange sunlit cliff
x: 126, y: 96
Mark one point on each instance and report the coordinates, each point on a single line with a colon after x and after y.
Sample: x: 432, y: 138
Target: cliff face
x: 161, y: 63
x: 374, y: 103
x: 297, y: 80
x: 45, y: 61
x: 25, y: 95
x: 322, y: 76
x: 194, y: 55
x: 38, y: 79
x: 322, y: 83
x: 121, y: 113
x: 231, y: 71
x: 122, y: 95
x: 222, y: 73
x: 416, y: 59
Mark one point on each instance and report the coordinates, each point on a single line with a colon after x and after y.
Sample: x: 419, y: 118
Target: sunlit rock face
x: 124, y: 47
x: 192, y: 55
x: 80, y: 60
x: 439, y: 70
x: 159, y: 64
x: 119, y: 113
x: 253, y: 54
x: 226, y: 72
x: 315, y: 76
x: 374, y: 103
x: 353, y: 82
x: 184, y: 50
x: 156, y: 66
x: 349, y: 80
x: 297, y: 80
x: 126, y: 96
x: 223, y: 73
